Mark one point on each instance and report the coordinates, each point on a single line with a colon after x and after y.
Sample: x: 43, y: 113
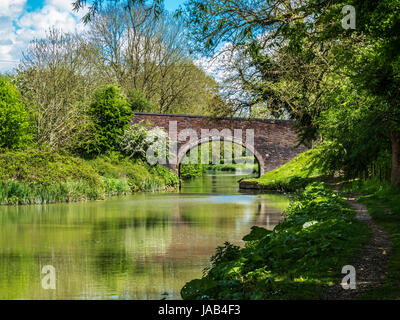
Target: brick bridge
x: 275, y: 141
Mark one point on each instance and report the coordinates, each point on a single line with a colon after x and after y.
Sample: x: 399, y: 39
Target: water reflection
x: 144, y: 246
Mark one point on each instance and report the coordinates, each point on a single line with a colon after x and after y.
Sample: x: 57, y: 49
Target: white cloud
x: 18, y: 27
x: 64, y: 5
x: 218, y: 65
x: 38, y: 22
x: 11, y: 8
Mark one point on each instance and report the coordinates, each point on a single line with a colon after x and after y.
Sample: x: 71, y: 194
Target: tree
x: 110, y: 115
x: 377, y: 67
x: 265, y: 30
x: 156, y: 6
x: 273, y: 60
x: 14, y: 125
x: 138, y: 101
x: 56, y: 79
x: 148, y: 54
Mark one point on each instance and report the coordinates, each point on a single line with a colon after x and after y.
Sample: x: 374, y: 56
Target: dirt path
x: 371, y: 264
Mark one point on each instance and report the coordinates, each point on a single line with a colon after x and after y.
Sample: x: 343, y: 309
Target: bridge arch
x: 191, y: 145
x: 275, y: 141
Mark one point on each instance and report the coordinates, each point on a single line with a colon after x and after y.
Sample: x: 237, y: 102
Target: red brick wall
x: 273, y: 137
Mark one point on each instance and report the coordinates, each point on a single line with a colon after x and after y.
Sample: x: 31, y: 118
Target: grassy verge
x: 297, y: 260
x: 383, y: 203
x: 293, y: 175
x: 37, y: 176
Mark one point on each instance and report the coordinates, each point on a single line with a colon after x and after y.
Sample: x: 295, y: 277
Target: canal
x: 143, y: 246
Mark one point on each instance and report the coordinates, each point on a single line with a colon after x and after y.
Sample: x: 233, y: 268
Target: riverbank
x: 270, y: 266
x: 42, y: 176
x: 384, y: 207
x: 299, y: 259
x: 190, y: 171
x: 371, y: 264
x: 293, y: 175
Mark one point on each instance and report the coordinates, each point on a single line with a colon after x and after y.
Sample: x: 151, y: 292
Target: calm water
x: 144, y: 246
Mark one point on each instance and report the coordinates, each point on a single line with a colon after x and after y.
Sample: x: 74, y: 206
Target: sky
x: 24, y: 20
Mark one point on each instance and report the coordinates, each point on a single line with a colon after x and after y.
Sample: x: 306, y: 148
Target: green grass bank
x: 293, y: 175
x: 304, y: 253
x: 297, y: 260
x: 383, y: 203
x: 40, y: 176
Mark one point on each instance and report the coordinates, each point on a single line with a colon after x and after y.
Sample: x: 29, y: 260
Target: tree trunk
x: 395, y: 176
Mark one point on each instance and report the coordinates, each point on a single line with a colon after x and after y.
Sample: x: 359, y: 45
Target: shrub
x: 157, y: 139
x: 40, y: 176
x: 134, y: 141
x: 45, y: 167
x: 110, y: 114
x: 191, y: 170
x: 138, y: 174
x: 138, y: 101
x: 13, y: 117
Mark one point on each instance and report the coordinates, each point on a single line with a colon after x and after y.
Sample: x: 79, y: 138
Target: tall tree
x: 148, y: 54
x: 94, y: 6
x: 377, y: 67
x: 56, y: 81
x: 309, y: 33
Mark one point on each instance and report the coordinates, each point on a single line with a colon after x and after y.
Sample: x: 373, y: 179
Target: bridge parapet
x: 275, y: 141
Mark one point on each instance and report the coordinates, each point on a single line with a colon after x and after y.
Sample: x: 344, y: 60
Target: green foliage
x: 293, y: 175
x: 45, y: 167
x: 354, y: 142
x: 302, y: 255
x: 252, y: 167
x: 191, y: 170
x: 14, y: 192
x: 384, y: 207
x: 256, y: 234
x: 40, y: 176
x: 138, y: 174
x: 110, y: 114
x: 138, y: 102
x: 14, y: 123
x: 133, y: 142
x: 368, y: 186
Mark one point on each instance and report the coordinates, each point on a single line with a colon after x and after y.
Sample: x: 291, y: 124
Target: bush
x: 40, y: 176
x: 13, y: 118
x: 297, y: 260
x: 45, y: 167
x: 191, y: 170
x: 139, y: 175
x: 110, y: 114
x: 133, y: 142
x: 138, y: 101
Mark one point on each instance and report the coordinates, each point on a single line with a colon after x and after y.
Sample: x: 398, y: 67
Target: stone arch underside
x: 183, y: 150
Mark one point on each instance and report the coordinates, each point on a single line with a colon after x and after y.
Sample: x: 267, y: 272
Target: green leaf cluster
x: 14, y: 125
x: 110, y: 115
